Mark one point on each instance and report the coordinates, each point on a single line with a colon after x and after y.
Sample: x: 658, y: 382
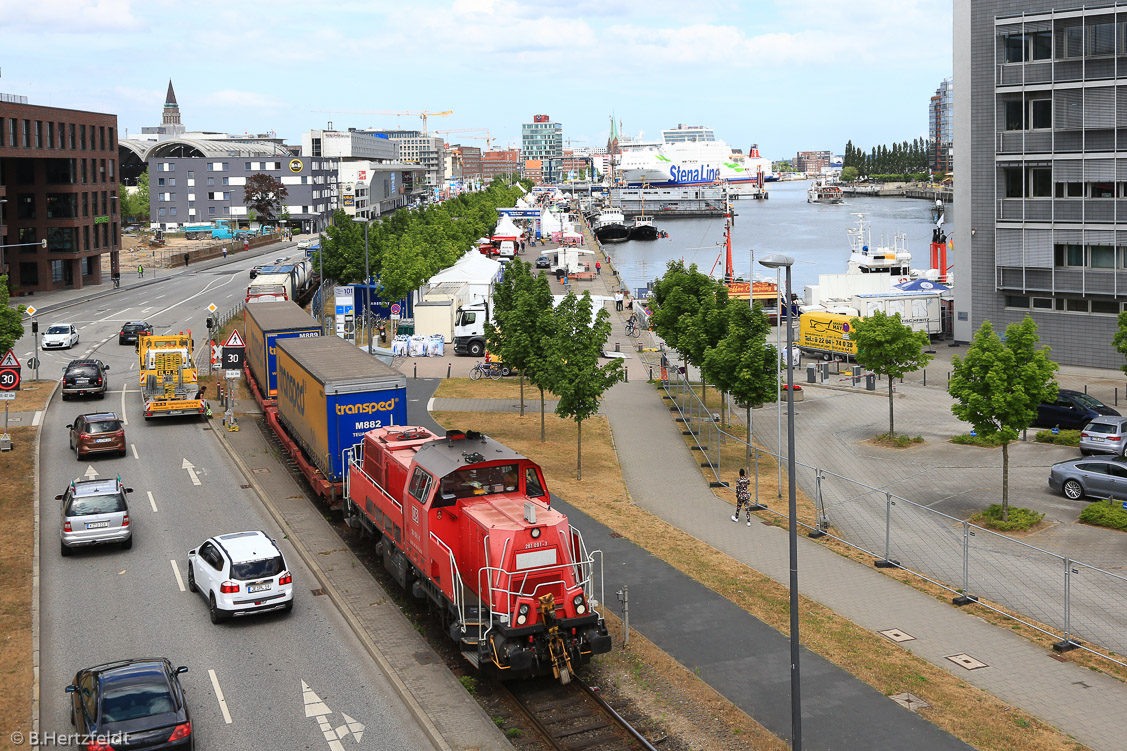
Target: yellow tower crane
x: 487, y: 137
x: 424, y: 114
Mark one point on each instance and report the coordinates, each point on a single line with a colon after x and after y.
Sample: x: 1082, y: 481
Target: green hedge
x: 1106, y: 513
x: 1064, y: 438
x: 1020, y: 518
x: 966, y: 439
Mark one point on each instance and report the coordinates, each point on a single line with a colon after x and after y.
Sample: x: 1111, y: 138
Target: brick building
x: 500, y: 162
x: 812, y: 162
x: 58, y: 183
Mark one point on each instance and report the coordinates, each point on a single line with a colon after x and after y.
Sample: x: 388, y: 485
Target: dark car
x: 1095, y: 477
x: 543, y: 262
x: 97, y: 433
x: 255, y: 269
x: 134, y: 704
x: 130, y: 331
x: 82, y: 377
x: 1072, y: 410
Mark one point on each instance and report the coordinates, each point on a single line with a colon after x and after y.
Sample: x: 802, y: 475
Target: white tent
x: 506, y: 227
x: 473, y: 268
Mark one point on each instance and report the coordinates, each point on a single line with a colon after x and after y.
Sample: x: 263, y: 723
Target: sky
x: 787, y: 75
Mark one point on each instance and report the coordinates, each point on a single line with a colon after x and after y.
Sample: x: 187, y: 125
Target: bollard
x: 448, y: 366
x: 617, y: 347
x: 925, y: 376
x: 651, y: 372
x: 626, y: 373
x: 1116, y: 391
x: 416, y: 370
x: 1085, y: 389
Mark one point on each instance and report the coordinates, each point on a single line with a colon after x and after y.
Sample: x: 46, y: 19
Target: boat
x: 687, y: 155
x: 892, y: 259
x: 644, y: 229
x: 820, y: 192
x: 610, y: 226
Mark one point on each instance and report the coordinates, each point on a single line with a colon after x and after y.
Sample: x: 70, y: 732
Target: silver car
x: 1096, y: 478
x: 95, y: 512
x: 1104, y: 435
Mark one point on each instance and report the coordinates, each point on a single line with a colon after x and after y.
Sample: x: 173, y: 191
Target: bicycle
x: 632, y: 327
x: 486, y: 369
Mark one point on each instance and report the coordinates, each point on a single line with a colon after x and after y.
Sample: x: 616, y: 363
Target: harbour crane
x: 487, y: 137
x: 424, y: 114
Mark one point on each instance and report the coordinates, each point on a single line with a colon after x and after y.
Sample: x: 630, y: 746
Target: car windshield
x: 137, y: 700
x: 248, y: 570
x: 474, y: 481
x: 83, y: 371
x: 1086, y: 401
x: 88, y: 505
x: 103, y: 426
x: 134, y: 327
x: 59, y: 330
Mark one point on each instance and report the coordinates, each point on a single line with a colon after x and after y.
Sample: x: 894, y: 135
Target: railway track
x: 575, y: 717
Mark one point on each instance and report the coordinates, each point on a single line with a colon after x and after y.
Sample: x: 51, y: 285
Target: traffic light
x: 34, y: 326
x: 210, y: 323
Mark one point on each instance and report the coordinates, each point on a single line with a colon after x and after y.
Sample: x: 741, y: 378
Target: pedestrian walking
x: 140, y: 271
x: 618, y: 300
x: 743, y: 497
x: 598, y: 268
x: 224, y: 252
x: 185, y: 259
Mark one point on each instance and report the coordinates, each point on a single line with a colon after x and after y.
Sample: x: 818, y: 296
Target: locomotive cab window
x: 420, y: 485
x: 474, y: 481
x: 532, y: 486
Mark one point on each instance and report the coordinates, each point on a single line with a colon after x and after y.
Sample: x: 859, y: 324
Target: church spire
x: 171, y: 114
x: 170, y: 97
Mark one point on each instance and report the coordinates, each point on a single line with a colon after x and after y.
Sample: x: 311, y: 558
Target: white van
x: 508, y: 249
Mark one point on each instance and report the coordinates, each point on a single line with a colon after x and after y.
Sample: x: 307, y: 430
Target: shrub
x: 966, y: 439
x: 1063, y: 438
x: 469, y: 683
x: 1020, y: 518
x: 1106, y: 513
x: 897, y: 441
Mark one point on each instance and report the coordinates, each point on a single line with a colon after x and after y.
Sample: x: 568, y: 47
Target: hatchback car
x: 134, y: 704
x: 130, y: 331
x: 1104, y: 435
x: 82, y: 377
x: 1072, y: 410
x: 1096, y: 478
x: 95, y: 512
x: 97, y: 433
x: 543, y: 262
x: 239, y: 574
x: 59, y: 336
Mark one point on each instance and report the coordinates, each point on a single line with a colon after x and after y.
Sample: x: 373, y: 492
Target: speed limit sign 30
x: 9, y: 372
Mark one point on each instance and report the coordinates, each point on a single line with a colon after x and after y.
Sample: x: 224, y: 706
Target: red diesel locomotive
x: 467, y: 523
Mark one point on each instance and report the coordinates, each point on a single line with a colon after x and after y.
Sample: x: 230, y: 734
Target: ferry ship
x: 687, y: 155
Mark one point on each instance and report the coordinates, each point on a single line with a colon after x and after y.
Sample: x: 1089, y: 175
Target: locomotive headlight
x: 535, y: 532
x: 522, y: 615
x: 580, y: 606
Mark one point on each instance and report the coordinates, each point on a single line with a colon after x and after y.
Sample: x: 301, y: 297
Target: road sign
x: 10, y: 360
x: 211, y: 308
x: 234, y: 373
x: 233, y: 358
x: 395, y: 309
x: 234, y: 340
x: 30, y: 310
x: 9, y: 379
x: 33, y: 362
x: 7, y: 396
x: 395, y: 316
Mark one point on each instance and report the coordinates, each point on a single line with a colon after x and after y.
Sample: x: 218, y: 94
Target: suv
x: 132, y: 330
x: 96, y: 433
x: 239, y: 574
x: 85, y: 377
x: 95, y: 512
x: 1072, y: 410
x: 1104, y: 435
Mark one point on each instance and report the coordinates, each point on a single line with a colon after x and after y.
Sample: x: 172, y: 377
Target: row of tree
x: 408, y: 247
x: 556, y: 348
x: 904, y: 158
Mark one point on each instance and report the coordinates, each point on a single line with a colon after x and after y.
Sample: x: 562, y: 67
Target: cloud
x: 69, y: 16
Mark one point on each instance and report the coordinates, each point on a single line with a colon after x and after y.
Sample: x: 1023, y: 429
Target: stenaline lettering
x: 366, y: 408
x: 697, y: 174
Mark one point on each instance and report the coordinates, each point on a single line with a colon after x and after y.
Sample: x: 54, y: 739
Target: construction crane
x: 424, y: 114
x: 487, y: 137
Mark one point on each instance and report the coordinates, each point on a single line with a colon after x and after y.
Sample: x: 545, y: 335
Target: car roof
x: 126, y: 671
x: 94, y: 487
x: 53, y: 325
x: 1109, y: 419
x: 137, y: 323
x: 247, y: 546
x: 84, y: 361
x: 99, y: 416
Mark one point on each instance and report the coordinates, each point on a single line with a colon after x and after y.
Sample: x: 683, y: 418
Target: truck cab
x: 469, y: 329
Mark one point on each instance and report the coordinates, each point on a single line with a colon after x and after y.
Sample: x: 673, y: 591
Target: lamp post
x: 779, y: 261
x: 367, y: 285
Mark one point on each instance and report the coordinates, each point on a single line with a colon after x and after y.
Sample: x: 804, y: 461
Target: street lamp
x: 367, y: 284
x: 779, y: 261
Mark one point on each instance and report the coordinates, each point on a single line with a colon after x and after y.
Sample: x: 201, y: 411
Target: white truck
x: 280, y: 282
x: 469, y: 328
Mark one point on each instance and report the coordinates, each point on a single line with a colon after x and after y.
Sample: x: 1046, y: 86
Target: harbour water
x: 814, y: 234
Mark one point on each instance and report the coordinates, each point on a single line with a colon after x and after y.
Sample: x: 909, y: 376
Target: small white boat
x: 820, y: 192
x: 892, y: 259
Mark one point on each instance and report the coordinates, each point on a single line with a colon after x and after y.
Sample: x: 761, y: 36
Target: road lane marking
x: 159, y: 297
x: 123, y: 312
x: 124, y: 416
x: 191, y: 471
x: 219, y: 696
x: 91, y: 473
x: 132, y: 446
x: 179, y: 579
x: 430, y: 404
x: 37, y: 417
x: 152, y: 502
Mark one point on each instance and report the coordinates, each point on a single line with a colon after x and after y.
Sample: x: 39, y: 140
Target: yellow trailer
x: 168, y: 379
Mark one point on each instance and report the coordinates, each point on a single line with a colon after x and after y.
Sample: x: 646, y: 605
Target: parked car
x: 140, y: 701
x: 255, y: 269
x: 60, y: 336
x: 1104, y: 435
x: 1096, y: 478
x: 97, y: 433
x: 543, y: 262
x: 130, y: 331
x: 239, y: 574
x: 1072, y: 410
x: 82, y: 377
x: 95, y: 512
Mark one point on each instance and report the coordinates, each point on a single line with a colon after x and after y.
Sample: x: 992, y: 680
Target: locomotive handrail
x: 376, y: 485
x: 455, y: 580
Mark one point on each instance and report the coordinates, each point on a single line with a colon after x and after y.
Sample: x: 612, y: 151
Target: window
x: 1012, y: 179
x: 211, y: 181
x: 160, y: 181
x: 1041, y: 45
x: 191, y: 174
x: 172, y: 181
x: 1073, y: 42
x: 1105, y: 307
x: 111, y: 137
x: 1041, y: 182
x: 226, y: 181
x: 85, y: 204
x: 1017, y: 301
x: 246, y: 165
x: 226, y: 166
x: 1101, y: 190
x: 1101, y: 39
x: 112, y: 177
x: 1042, y: 303
x: 1015, y: 48
x: 1040, y: 113
x: 211, y: 211
x: 1069, y: 256
x: 1014, y: 115
x: 172, y: 211
x: 532, y: 486
x: 50, y: 135
x: 420, y: 485
x: 70, y: 136
x: 210, y: 167
x: 1070, y: 190
x: 1101, y: 256
x: 160, y: 212
x: 1076, y: 305
x: 82, y: 137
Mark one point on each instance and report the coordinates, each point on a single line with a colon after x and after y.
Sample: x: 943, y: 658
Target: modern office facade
x: 419, y: 148
x: 1041, y: 192
x: 58, y: 183
x: 542, y: 140
x: 940, y: 126
x: 348, y: 144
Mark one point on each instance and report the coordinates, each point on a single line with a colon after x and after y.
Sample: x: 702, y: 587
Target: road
x: 249, y: 679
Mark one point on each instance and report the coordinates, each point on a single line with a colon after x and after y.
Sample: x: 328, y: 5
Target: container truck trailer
x: 266, y: 323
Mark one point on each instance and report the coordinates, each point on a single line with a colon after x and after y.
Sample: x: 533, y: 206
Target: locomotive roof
x: 443, y: 456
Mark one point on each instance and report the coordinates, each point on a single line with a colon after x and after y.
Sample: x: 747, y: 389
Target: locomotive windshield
x: 474, y: 481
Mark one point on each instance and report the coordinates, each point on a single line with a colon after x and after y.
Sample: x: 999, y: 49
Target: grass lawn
x: 959, y: 708
x: 32, y: 396
x: 506, y: 388
x: 17, y: 467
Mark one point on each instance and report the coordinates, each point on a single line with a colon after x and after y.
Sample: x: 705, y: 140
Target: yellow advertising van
x: 826, y: 333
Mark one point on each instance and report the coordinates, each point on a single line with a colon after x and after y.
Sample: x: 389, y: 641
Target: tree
x: 134, y: 205
x: 265, y: 195
x: 577, y: 377
x: 889, y: 347
x: 849, y: 174
x: 742, y: 362
x: 514, y: 330
x: 342, y: 249
x: 11, y: 319
x: 1119, y: 341
x: 998, y: 386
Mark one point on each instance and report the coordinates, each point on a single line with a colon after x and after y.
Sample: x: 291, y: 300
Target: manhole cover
x: 426, y: 658
x: 260, y: 470
x: 896, y: 635
x: 967, y: 661
x: 318, y: 592
x: 910, y: 701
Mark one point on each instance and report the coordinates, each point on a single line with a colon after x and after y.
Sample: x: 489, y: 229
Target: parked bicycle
x: 487, y: 370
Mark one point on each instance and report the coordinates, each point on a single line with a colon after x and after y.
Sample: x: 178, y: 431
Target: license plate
x: 258, y: 587
x: 1096, y: 438
x: 81, y: 381
x: 97, y: 525
x: 104, y: 440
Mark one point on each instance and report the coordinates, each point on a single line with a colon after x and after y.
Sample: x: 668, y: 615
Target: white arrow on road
x: 90, y: 472
x: 316, y: 708
x: 191, y: 471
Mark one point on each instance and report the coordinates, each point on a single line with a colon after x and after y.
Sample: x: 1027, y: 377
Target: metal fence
x: 1076, y: 603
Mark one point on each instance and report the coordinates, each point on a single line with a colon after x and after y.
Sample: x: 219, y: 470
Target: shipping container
x: 331, y: 393
x: 267, y: 323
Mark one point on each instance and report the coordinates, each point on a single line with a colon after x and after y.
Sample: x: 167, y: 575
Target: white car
x: 59, y: 336
x: 239, y: 574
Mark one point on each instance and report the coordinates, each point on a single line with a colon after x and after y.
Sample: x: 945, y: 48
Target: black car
x: 134, y: 704
x: 82, y: 377
x: 543, y: 262
x: 1072, y: 410
x: 130, y: 331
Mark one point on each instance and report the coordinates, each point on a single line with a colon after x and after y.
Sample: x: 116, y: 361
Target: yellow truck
x: 826, y: 334
x: 169, y: 384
